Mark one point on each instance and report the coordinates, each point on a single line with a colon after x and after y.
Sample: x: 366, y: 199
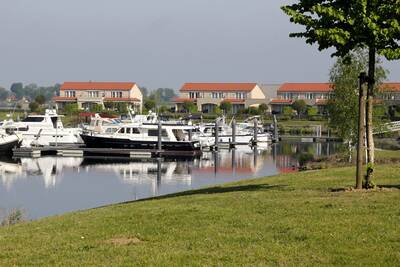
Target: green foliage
x: 33, y: 106
x: 163, y: 95
x: 343, y: 107
x: 149, y: 104
x: 226, y: 107
x: 4, y: 93
x: 31, y: 91
x: 300, y: 106
x: 312, y: 111
x: 287, y: 111
x: 122, y: 108
x: 347, y: 25
x: 263, y: 108
x: 217, y: 110
x: 15, y: 216
x: 96, y: 108
x: 71, y: 108
x: 189, y: 106
x: 40, y: 99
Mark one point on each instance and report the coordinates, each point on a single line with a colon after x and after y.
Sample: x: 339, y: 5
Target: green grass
x: 293, y: 219
x: 14, y: 115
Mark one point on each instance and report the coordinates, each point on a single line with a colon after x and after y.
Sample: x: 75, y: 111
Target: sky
x: 156, y: 43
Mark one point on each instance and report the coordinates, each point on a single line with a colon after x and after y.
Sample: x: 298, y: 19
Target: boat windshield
x: 33, y: 119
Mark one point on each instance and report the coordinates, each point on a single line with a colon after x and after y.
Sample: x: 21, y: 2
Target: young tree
x: 149, y: 104
x: 263, y: 108
x: 300, y: 106
x: 40, y: 99
x: 189, y: 106
x: 347, y: 25
x: 33, y: 106
x: 226, y: 107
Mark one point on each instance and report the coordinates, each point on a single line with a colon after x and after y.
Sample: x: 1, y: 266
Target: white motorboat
x: 244, y: 133
x: 43, y: 130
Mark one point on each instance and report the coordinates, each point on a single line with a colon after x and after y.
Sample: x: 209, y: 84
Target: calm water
x: 54, y: 185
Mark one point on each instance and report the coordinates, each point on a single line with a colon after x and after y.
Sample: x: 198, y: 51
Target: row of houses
x: 207, y: 96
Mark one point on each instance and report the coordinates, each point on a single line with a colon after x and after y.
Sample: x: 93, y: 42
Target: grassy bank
x: 293, y: 219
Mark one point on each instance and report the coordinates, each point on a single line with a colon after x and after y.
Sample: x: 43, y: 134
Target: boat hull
x: 6, y: 146
x: 93, y: 141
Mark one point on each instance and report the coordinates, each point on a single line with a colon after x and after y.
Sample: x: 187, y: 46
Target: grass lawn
x: 291, y: 219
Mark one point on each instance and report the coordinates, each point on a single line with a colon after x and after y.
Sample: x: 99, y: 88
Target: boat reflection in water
x: 53, y: 185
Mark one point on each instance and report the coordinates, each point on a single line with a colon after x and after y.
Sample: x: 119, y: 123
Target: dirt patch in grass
x: 123, y: 241
x: 377, y: 189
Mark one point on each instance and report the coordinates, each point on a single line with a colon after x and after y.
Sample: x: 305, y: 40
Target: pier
x: 73, y: 151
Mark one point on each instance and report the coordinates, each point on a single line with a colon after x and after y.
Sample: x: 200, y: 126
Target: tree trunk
x: 369, y: 113
x: 361, y: 132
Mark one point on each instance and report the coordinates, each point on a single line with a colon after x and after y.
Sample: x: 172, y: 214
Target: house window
x: 309, y: 96
x: 214, y: 95
x: 70, y: 93
x: 221, y: 95
x: 93, y: 93
x: 240, y: 95
x: 116, y: 94
x: 194, y: 94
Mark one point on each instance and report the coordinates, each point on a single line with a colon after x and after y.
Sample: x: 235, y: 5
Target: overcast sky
x: 157, y: 43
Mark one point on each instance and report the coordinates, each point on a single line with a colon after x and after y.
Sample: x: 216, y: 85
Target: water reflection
x: 53, y: 185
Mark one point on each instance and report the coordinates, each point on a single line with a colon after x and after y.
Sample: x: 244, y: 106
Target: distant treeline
x: 30, y: 91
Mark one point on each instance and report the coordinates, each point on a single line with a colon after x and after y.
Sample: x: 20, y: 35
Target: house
x: 318, y: 94
x: 390, y: 93
x: 87, y: 94
x: 314, y: 94
x: 207, y: 96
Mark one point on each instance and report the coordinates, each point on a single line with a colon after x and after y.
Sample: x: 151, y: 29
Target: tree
x: 226, y: 107
x: 343, y: 106
x: 263, y: 108
x: 149, y: 104
x: 163, y: 95
x: 18, y: 90
x: 96, y: 108
x: 40, y: 99
x: 33, y: 106
x: 145, y: 91
x: 287, y: 111
x: 71, y: 108
x: 312, y: 111
x: 189, y: 106
x: 4, y: 93
x: 347, y: 25
x: 300, y: 106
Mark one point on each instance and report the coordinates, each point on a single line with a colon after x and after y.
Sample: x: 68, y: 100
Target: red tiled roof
x: 182, y: 99
x: 281, y: 101
x: 123, y: 99
x: 247, y: 87
x: 233, y: 100
x: 391, y: 87
x: 305, y: 87
x: 97, y: 86
x: 64, y: 98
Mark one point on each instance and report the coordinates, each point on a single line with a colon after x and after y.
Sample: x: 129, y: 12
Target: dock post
x: 233, y: 143
x: 276, y: 135
x: 159, y: 147
x: 216, y: 135
x: 190, y: 135
x: 255, y: 132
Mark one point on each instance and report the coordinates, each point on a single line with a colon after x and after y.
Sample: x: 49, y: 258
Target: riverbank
x: 301, y: 218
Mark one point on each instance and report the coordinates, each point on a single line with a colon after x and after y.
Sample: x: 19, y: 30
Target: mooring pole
x: 233, y: 144
x: 255, y: 132
x: 361, y: 129
x: 216, y: 135
x: 190, y: 135
x: 276, y: 137
x: 159, y: 147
